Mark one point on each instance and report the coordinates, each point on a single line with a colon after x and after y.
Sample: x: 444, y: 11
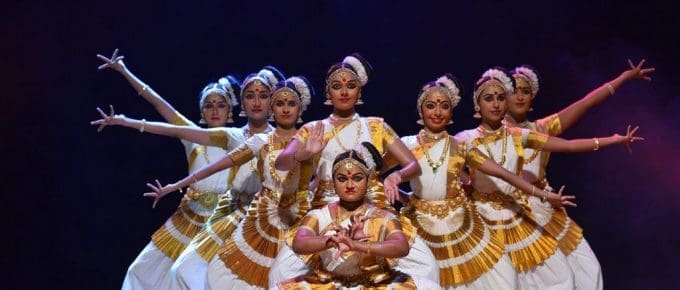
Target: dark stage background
x: 74, y: 213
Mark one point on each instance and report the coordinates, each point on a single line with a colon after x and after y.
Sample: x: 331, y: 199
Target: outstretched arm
x: 233, y: 158
x: 555, y: 144
x: 189, y: 133
x: 162, y: 106
x: 556, y: 199
x: 574, y: 112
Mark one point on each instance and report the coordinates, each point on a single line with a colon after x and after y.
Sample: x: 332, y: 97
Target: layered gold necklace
x: 504, y: 134
x: 426, y: 151
x: 356, y: 138
x: 271, y: 156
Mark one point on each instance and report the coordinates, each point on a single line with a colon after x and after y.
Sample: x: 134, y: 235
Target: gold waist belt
x: 206, y: 198
x: 284, y: 200
x: 438, y: 208
x: 497, y: 199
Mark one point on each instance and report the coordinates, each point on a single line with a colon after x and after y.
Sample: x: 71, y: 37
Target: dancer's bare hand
x: 159, y: 191
x: 638, y: 72
x: 315, y: 141
x: 559, y: 200
x: 630, y: 138
x: 115, y: 62
x: 107, y: 120
x: 391, y: 186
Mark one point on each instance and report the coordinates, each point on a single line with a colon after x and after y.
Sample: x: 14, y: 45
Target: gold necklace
x: 337, y: 119
x: 442, y: 157
x: 356, y: 138
x: 435, y: 136
x: 505, y: 143
x: 278, y: 180
x: 252, y: 163
x: 525, y: 125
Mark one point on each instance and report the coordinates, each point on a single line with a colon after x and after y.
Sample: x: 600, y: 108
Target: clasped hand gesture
x: 346, y: 238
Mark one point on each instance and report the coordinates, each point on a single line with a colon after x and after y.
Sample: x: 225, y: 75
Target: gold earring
x: 242, y: 113
x: 477, y: 115
x: 271, y: 118
x: 230, y: 118
x: 420, y: 122
x: 202, y: 121
x: 359, y: 100
x: 328, y: 100
x: 299, y: 120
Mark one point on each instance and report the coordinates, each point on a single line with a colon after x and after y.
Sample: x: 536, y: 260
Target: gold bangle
x: 141, y: 128
x: 533, y: 188
x: 143, y: 90
x: 368, y: 251
x: 545, y: 196
x: 597, y: 144
x: 610, y: 88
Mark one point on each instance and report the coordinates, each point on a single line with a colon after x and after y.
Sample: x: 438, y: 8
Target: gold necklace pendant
x: 442, y: 157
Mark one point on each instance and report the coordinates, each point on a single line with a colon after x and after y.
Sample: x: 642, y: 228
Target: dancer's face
x: 256, y: 98
x: 215, y: 111
x: 492, y: 104
x: 286, y: 109
x: 350, y: 182
x: 519, y: 103
x: 344, y: 91
x: 437, y: 111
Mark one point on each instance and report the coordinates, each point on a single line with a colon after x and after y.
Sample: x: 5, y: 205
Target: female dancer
x: 587, y: 271
x: 352, y: 239
x: 344, y: 129
x: 151, y: 268
x: 469, y: 256
x: 282, y: 201
x: 532, y: 250
x: 190, y: 267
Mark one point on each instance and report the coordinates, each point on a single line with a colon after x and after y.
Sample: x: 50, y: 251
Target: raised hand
x: 391, y: 186
x: 111, y: 119
x: 159, y: 191
x: 638, y: 72
x: 115, y: 62
x: 315, y: 142
x: 558, y: 200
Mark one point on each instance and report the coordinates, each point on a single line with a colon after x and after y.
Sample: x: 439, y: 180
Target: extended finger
x: 568, y: 197
x: 101, y: 127
x: 634, y: 130
x: 630, y: 63
x: 155, y: 201
x: 637, y: 138
x: 150, y: 194
x: 115, y: 53
x: 642, y: 62
x: 119, y: 58
x: 103, y: 66
x: 111, y: 110
x: 149, y: 185
x: 561, y: 189
x: 569, y: 203
x: 630, y: 149
x: 102, y: 113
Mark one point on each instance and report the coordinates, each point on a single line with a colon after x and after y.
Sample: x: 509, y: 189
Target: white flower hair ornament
x: 529, y: 75
x: 358, y: 67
